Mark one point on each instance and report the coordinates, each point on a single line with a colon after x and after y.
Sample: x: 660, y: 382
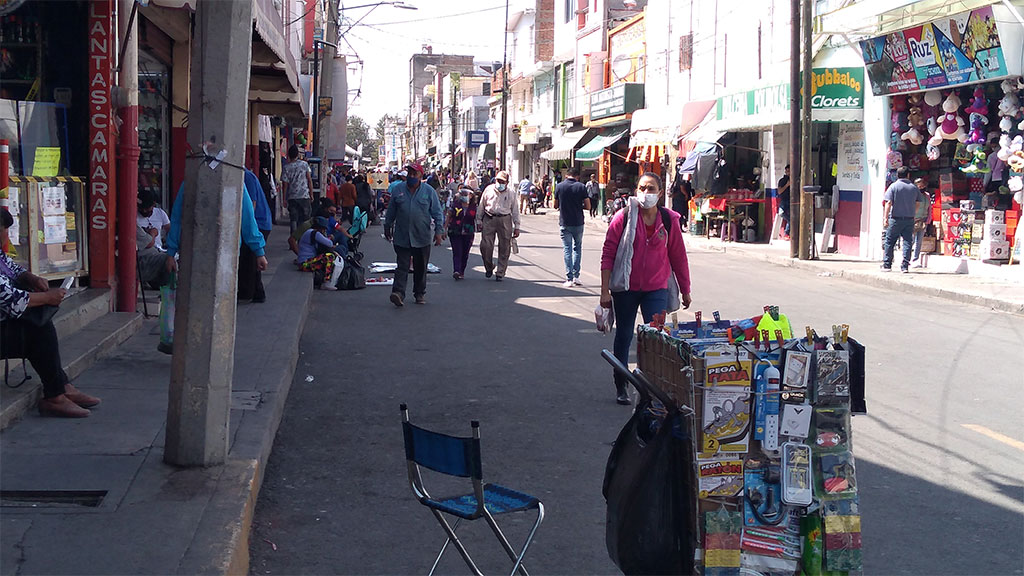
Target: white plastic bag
x: 605, y: 319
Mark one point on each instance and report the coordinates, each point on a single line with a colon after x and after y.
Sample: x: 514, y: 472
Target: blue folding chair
x: 460, y: 456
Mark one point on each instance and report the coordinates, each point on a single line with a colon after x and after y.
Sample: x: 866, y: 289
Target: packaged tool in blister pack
x: 719, y: 478
x: 726, y: 410
x: 842, y: 534
x: 831, y: 429
x: 796, y: 372
x: 831, y: 377
x: 838, y: 473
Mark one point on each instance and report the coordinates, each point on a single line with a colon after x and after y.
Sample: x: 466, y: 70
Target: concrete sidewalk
x: 93, y: 496
x: 997, y: 287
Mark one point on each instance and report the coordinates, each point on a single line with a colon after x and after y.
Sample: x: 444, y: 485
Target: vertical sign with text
x: 101, y: 157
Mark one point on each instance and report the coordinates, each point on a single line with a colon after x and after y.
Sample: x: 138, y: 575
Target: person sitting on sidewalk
x: 21, y: 293
x: 316, y: 254
x: 152, y: 262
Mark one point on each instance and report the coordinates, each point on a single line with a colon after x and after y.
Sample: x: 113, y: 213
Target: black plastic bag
x: 648, y: 489
x: 353, y: 275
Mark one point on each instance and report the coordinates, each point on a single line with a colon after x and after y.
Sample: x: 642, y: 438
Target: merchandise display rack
x: 747, y: 525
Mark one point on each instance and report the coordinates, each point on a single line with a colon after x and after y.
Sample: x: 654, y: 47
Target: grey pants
x: 500, y: 226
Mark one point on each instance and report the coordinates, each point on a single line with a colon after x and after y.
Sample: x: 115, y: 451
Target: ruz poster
x: 947, y: 52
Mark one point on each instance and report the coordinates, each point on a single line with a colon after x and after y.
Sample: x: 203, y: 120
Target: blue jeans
x: 572, y: 250
x: 918, y: 239
x: 902, y: 228
x: 626, y: 305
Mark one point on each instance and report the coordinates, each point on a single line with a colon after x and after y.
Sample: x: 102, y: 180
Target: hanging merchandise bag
x: 646, y: 486
x: 167, y: 294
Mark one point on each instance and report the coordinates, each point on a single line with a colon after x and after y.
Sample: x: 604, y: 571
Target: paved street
x: 939, y: 455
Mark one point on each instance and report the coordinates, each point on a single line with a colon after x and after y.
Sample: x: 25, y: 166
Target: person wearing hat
x: 413, y: 207
x: 497, y: 215
x: 152, y: 218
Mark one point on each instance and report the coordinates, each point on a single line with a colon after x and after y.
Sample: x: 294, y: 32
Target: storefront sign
x: 616, y: 101
x: 963, y: 48
x: 832, y: 89
x: 627, y: 51
x: 529, y: 134
x: 852, y: 169
x: 101, y: 157
x: 477, y: 138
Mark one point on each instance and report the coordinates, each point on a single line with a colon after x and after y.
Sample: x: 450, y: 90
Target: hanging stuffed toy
x: 951, y: 125
x: 962, y: 156
x: 915, y: 120
x: 979, y: 105
x: 977, y: 135
x: 1008, y: 105
x: 978, y: 165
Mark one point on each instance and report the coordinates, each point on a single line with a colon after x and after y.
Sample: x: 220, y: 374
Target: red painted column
x: 101, y: 200
x: 127, y: 160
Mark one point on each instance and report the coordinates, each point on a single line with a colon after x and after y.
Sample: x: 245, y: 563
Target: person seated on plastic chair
x: 21, y: 292
x: 317, y: 254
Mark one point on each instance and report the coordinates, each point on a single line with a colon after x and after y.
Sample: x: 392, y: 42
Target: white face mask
x: 648, y: 200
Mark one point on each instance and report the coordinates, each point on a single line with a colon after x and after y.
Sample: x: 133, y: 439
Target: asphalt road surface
x: 940, y: 456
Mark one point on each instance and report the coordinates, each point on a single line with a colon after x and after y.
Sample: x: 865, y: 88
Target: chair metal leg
x: 444, y: 547
x: 508, y: 547
x: 458, y: 543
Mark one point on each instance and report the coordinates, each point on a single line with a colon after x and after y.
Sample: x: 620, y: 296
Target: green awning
x: 593, y: 149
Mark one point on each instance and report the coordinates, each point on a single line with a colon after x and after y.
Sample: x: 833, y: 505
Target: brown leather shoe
x: 61, y: 407
x: 79, y: 397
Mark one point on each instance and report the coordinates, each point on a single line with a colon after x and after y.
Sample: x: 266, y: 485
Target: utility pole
x: 806, y: 178
x: 202, y: 368
x: 504, y: 95
x: 326, y: 85
x: 456, y: 83
x: 794, y: 131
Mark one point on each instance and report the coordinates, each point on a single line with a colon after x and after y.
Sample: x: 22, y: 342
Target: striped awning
x: 595, y: 148
x: 651, y: 154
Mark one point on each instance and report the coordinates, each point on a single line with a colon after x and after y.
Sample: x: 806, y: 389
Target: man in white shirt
x: 152, y: 218
x: 497, y: 215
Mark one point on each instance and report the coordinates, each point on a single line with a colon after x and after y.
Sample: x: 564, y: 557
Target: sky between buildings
x: 388, y: 36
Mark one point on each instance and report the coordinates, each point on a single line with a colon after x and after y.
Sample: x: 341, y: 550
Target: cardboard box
x: 995, y: 217
x: 994, y: 232
x: 988, y: 250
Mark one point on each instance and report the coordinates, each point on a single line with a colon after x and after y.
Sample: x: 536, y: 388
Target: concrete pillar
x: 204, y: 343
x: 326, y: 86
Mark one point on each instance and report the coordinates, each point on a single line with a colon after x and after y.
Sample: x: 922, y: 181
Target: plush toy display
x: 951, y: 125
x: 932, y: 125
x: 915, y: 120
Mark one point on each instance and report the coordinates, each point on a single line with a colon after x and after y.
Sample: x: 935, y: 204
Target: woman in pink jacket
x: 643, y: 252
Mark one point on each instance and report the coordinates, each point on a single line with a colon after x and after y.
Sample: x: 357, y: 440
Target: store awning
x: 593, y: 149
x: 273, y: 79
x: 704, y: 130
x: 654, y: 127
x: 563, y: 145
x: 694, y: 114
x: 649, y: 154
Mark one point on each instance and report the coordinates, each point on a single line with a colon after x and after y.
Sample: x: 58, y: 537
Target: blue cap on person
x: 321, y: 222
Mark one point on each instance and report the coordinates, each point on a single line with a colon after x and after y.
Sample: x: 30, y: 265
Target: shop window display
x: 966, y: 144
x: 154, y: 82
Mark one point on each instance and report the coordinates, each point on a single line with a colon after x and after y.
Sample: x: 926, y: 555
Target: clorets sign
x: 837, y: 88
